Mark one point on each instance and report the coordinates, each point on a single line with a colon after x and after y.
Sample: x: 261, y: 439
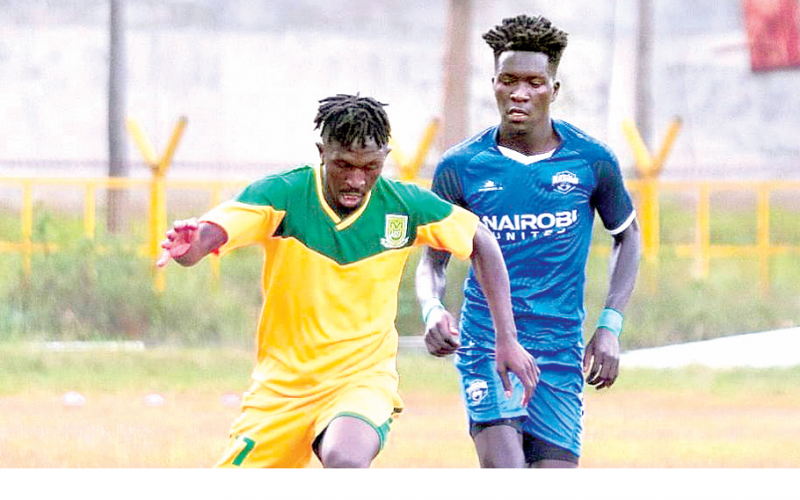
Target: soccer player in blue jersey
x: 536, y: 182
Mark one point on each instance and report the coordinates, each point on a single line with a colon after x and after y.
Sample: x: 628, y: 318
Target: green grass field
x: 694, y: 417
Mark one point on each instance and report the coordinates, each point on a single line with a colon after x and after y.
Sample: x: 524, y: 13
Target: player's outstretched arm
x: 441, y: 332
x: 189, y: 241
x: 490, y: 270
x: 601, y: 359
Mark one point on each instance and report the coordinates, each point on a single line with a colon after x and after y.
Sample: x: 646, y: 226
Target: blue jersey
x: 542, y: 215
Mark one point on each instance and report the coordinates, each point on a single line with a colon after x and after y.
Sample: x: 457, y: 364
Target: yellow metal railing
x: 649, y: 168
x: 408, y: 168
x: 159, y: 166
x: 702, y: 249
x: 157, y: 215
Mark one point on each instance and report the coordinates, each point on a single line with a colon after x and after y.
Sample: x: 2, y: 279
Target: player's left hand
x: 441, y: 333
x: 601, y: 359
x: 512, y: 357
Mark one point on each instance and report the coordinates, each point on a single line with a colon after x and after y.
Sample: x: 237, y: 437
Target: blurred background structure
x: 248, y: 75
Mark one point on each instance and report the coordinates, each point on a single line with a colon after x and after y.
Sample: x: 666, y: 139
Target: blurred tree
x: 643, y: 69
x: 456, y: 76
x: 117, y: 152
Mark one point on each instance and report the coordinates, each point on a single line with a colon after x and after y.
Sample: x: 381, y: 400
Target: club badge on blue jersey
x: 564, y: 182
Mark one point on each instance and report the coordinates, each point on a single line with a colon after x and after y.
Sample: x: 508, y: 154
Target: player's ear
x: 556, y: 86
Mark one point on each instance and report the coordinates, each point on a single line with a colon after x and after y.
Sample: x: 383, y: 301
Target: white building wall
x: 248, y: 75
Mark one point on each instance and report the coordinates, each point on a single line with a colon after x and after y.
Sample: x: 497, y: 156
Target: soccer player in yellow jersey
x: 336, y: 238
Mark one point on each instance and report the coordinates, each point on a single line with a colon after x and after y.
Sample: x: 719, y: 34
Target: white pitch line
x: 757, y: 350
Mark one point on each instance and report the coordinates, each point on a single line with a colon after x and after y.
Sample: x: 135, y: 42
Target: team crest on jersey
x: 395, y: 235
x: 476, y: 391
x: 564, y: 182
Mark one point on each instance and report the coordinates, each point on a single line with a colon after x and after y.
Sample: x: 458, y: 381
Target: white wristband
x: 429, y: 306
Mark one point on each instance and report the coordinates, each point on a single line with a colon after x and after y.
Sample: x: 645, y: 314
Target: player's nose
x: 356, y: 179
x: 520, y: 95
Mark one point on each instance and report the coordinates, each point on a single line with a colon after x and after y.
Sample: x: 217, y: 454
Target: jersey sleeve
x: 249, y: 218
x: 445, y: 226
x: 446, y: 183
x: 611, y: 199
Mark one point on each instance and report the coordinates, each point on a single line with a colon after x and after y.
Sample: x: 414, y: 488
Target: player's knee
x: 338, y: 458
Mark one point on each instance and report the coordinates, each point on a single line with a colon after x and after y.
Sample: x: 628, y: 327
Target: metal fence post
x: 158, y: 204
x: 762, y: 241
x: 649, y: 168
x: 27, y: 229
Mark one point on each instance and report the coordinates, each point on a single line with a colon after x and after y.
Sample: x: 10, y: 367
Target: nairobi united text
x: 526, y: 226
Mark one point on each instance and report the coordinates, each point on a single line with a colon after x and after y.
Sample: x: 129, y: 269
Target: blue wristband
x: 611, y: 319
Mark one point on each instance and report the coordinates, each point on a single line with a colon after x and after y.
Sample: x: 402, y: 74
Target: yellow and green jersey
x: 330, y: 284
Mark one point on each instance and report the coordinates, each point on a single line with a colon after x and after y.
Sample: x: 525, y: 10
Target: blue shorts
x: 555, y: 411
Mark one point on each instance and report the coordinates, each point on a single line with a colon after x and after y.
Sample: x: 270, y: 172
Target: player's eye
x: 507, y: 80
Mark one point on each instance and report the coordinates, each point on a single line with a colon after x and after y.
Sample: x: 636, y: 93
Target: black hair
x: 530, y: 34
x: 351, y: 119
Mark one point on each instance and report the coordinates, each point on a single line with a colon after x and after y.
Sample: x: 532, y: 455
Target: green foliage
x: 104, y: 289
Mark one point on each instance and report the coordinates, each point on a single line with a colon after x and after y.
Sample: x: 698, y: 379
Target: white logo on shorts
x: 476, y: 391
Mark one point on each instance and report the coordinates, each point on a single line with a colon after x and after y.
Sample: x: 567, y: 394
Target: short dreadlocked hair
x: 530, y: 34
x: 351, y: 119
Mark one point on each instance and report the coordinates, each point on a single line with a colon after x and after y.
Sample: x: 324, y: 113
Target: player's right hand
x: 441, y: 334
x: 179, y: 240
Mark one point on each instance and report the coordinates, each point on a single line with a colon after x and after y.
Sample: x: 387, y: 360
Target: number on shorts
x: 248, y: 447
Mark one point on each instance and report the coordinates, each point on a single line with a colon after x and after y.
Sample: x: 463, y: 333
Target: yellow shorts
x: 274, y: 430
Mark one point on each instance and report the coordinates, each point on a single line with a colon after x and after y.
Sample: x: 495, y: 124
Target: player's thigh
x: 271, y: 431
x: 374, y: 402
x: 499, y: 443
x: 556, y: 410
x: 348, y: 442
x: 482, y: 390
x: 545, y: 455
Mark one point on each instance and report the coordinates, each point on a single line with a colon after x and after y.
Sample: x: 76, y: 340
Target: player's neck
x: 537, y: 140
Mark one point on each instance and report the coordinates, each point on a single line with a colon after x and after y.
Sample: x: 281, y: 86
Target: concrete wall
x: 248, y: 75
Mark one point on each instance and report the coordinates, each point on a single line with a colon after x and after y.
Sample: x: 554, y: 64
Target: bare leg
x: 500, y: 446
x: 349, y: 442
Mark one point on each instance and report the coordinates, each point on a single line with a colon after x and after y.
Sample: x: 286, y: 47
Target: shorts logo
x: 564, y: 182
x: 395, y: 231
x: 476, y: 391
